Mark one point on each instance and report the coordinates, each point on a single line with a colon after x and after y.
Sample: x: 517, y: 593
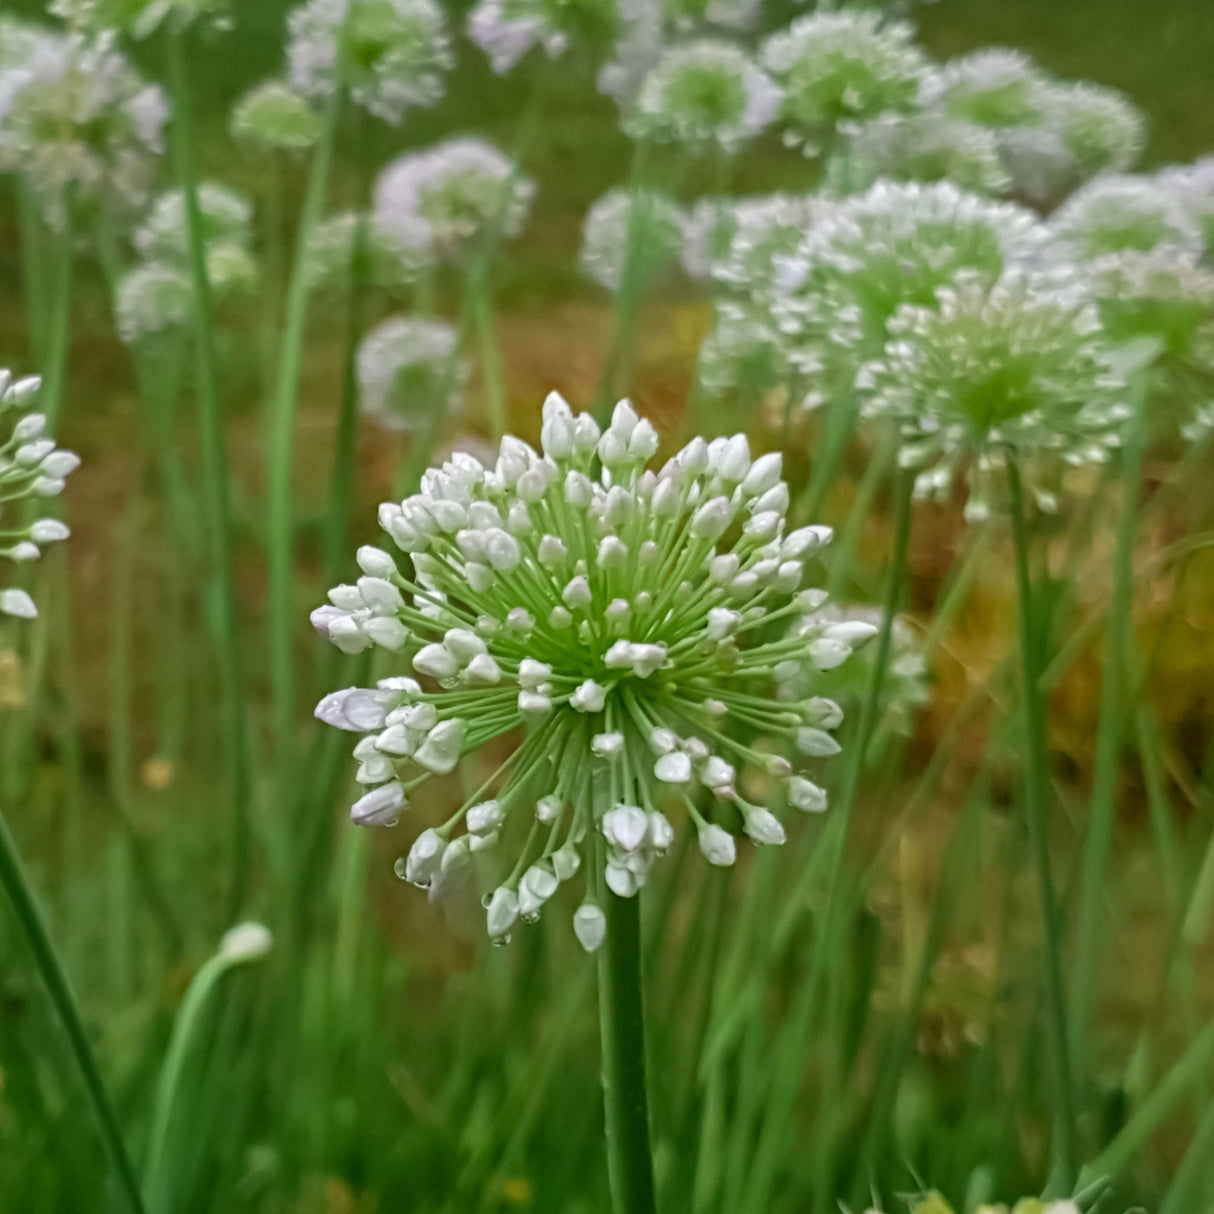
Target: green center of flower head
x: 374, y: 28
x: 710, y: 93
x: 631, y: 623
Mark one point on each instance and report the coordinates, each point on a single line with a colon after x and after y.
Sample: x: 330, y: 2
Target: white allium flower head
x: 32, y: 469
x: 227, y: 215
x: 1021, y: 366
x: 839, y: 66
x: 612, y: 616
x: 1193, y: 187
x: 1116, y: 213
x: 153, y: 298
x: 899, y: 243
x: 398, y: 52
x: 638, y: 47
x: 994, y: 87
x: 385, y: 261
x: 1101, y: 127
x: 649, y: 222
x: 76, y: 116
x: 704, y: 93
x: 450, y: 194
x: 407, y: 370
x: 274, y: 115
x: 927, y: 146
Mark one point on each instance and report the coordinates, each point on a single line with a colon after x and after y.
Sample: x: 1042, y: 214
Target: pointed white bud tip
x: 17, y: 604
x: 246, y: 942
x: 806, y: 796
x: 764, y: 827
x: 485, y: 817
x: 589, y: 926
x: 502, y: 912
x: 380, y: 807
x: 425, y: 859
x: 816, y: 742
x: 607, y: 745
x: 673, y: 768
x: 548, y: 808
x: 625, y: 827
x: 719, y: 846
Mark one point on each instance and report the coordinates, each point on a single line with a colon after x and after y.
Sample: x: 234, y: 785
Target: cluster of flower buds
x: 31, y: 468
x: 621, y: 619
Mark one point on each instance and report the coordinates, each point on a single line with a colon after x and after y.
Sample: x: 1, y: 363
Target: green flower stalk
x: 620, y: 621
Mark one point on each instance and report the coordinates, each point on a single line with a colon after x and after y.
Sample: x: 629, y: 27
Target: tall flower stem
x: 12, y: 878
x: 1113, y: 712
x: 1036, y: 797
x: 215, y: 475
x: 622, y: 1024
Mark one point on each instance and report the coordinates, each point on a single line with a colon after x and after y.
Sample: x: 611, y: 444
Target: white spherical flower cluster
x: 1022, y: 366
x: 1116, y: 213
x: 704, y: 93
x: 619, y: 618
x: 1100, y: 127
x: 397, y: 52
x: 843, y: 66
x: 32, y: 469
x: 76, y: 118
x: 507, y: 29
x: 274, y: 115
x: 638, y: 46
x: 900, y: 243
x: 359, y: 244
x: 995, y: 87
x: 154, y: 297
x: 226, y: 215
x: 1192, y: 185
x: 926, y: 146
x: 408, y: 372
x: 635, y: 235
x: 443, y: 199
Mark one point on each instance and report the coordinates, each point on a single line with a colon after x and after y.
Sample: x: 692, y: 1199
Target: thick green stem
x: 12, y: 877
x: 1036, y: 798
x: 1108, y: 743
x: 215, y: 477
x: 622, y: 1023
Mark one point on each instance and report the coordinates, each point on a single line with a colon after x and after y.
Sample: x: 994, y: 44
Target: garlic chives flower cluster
x: 408, y: 372
x: 634, y: 236
x: 274, y: 115
x: 32, y: 469
x: 76, y: 119
x: 629, y: 623
x: 704, y: 93
x: 397, y: 52
x: 1021, y: 367
x: 843, y: 66
x: 443, y: 199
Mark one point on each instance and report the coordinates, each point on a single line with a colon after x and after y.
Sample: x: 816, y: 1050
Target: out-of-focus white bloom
x: 152, y: 298
x: 1116, y: 213
x: 638, y: 47
x: 397, y: 52
x: 925, y: 146
x: 900, y: 243
x: 32, y: 469
x: 408, y: 370
x: 614, y: 615
x: 226, y: 214
x: 274, y: 115
x: 76, y: 118
x: 848, y: 65
x: 1021, y: 366
x: 507, y: 29
x: 635, y: 236
x: 1192, y: 185
x: 444, y: 198
x: 246, y: 942
x: 994, y: 87
x: 383, y: 260
x: 1101, y: 128
x: 703, y: 93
